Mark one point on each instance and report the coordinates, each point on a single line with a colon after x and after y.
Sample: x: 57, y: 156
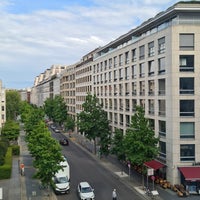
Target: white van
x: 62, y: 179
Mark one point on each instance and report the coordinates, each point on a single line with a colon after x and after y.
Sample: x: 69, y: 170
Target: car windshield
x: 86, y: 189
x: 61, y: 180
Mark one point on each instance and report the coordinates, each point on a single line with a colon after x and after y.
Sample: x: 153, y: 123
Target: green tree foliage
x: 34, y: 119
x: 47, y: 153
x: 3, y: 149
x: 140, y: 143
x: 49, y: 107
x: 60, y: 110
x: 13, y: 100
x: 70, y: 123
x: 25, y: 111
x: 10, y: 130
x: 117, y: 145
x: 45, y: 150
x: 94, y: 123
x: 56, y: 109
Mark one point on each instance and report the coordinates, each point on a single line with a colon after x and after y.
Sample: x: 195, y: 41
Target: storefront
x: 190, y: 178
x: 158, y: 167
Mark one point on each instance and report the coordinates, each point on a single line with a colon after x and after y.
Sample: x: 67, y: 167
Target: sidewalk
x: 25, y: 187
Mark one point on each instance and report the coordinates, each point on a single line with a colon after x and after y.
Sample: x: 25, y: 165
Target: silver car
x: 85, y: 191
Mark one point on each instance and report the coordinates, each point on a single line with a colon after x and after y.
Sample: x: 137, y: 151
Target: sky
x: 35, y: 34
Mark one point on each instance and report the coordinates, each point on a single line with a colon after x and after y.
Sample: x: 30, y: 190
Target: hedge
x: 6, y: 169
x: 15, y: 150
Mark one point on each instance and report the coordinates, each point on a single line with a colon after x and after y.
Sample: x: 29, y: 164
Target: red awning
x: 154, y: 164
x: 190, y: 173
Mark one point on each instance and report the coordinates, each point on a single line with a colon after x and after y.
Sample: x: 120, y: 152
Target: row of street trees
x: 45, y: 150
x: 137, y: 145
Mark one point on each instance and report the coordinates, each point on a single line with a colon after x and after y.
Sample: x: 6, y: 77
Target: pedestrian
x: 22, y: 169
x: 114, y: 195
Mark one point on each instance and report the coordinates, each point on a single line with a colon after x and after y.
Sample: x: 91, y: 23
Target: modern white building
x: 46, y: 85
x: 157, y: 66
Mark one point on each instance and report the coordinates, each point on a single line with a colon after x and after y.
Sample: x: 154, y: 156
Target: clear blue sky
x: 36, y: 34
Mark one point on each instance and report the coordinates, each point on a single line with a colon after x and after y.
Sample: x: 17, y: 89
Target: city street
x: 85, y: 168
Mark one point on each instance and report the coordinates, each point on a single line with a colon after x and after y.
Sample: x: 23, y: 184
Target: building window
x: 115, y: 118
x: 161, y: 65
x: 127, y: 73
x: 151, y: 49
x: 151, y: 106
x: 187, y: 108
x: 121, y: 119
x: 141, y: 52
x: 161, y: 87
x: 115, y: 75
x: 110, y: 63
x: 162, y: 128
x: 142, y: 88
x: 142, y: 70
x: 186, y: 41
x: 186, y: 63
x: 127, y: 120
x: 186, y: 86
x: 162, y: 146
x: 110, y: 76
x: 121, y: 74
x: 127, y: 57
x: 127, y: 89
x: 134, y: 71
x: 120, y: 60
x: 187, y: 130
x: 151, y: 87
x: 134, y: 104
x: 161, y: 45
x: 133, y: 52
x: 115, y: 61
x: 151, y: 68
x: 134, y: 88
x: 105, y: 64
x: 187, y: 152
x: 127, y: 103
x: 162, y: 109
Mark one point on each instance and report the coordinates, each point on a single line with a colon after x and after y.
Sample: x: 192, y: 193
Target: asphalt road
x: 85, y: 168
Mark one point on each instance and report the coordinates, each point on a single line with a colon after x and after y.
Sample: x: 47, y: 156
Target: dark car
x: 64, y: 142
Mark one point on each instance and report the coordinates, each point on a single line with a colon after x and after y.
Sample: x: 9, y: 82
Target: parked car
x: 64, y: 142
x: 56, y: 130
x: 85, y: 191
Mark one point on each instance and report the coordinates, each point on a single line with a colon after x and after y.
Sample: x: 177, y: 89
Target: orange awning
x: 190, y: 173
x: 154, y: 164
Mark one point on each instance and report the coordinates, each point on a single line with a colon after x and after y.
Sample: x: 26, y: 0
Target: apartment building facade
x: 68, y: 89
x: 46, y: 85
x: 83, y: 75
x: 157, y: 66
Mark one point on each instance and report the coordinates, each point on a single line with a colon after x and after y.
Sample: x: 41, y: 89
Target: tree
x: 45, y: 149
x: 49, y: 107
x: 10, y: 130
x: 56, y: 109
x: 140, y: 143
x: 70, y: 123
x: 117, y: 145
x: 94, y: 123
x: 12, y: 104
